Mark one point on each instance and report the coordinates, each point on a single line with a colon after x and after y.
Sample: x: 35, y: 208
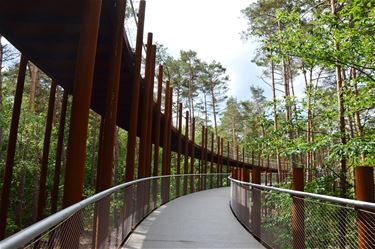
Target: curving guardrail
x: 282, y: 218
x: 106, y: 219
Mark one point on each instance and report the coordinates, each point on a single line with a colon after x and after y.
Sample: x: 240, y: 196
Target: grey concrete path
x: 199, y: 220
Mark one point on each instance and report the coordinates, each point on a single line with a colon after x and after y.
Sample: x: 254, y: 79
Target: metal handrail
x: 342, y: 201
x: 26, y: 235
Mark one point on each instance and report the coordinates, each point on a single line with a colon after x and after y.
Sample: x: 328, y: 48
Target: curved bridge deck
x: 199, y: 220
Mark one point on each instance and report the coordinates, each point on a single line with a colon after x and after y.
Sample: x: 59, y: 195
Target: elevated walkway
x: 199, y: 220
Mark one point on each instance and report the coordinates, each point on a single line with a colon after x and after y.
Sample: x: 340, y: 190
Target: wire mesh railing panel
x: 106, y: 219
x: 282, y: 219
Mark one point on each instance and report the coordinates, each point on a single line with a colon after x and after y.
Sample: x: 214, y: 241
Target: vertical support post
x: 192, y: 159
x: 256, y: 202
x: 109, y: 119
x: 83, y: 80
x: 45, y: 156
x: 228, y: 168
x: 108, y: 127
x: 238, y: 176
x: 169, y: 131
x: 12, y: 142
x: 212, y: 160
x: 165, y: 130
x: 205, y: 157
x: 59, y: 151
x: 218, y: 162
x: 157, y: 122
x: 364, y: 189
x: 132, y: 133
x: 221, y: 159
x: 145, y: 111
x: 298, y: 210
x: 186, y: 158
x: 179, y: 148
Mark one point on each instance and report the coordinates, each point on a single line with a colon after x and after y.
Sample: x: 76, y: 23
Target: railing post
x: 298, y: 210
x: 364, y: 189
x: 12, y: 142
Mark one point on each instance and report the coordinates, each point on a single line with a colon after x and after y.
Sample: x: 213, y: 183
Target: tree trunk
x: 1, y: 102
x: 341, y: 107
x: 214, y: 110
x: 93, y: 149
x: 275, y: 124
x: 205, y: 109
x: 34, y: 78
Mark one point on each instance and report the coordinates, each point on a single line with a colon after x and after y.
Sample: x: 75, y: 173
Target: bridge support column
x: 201, y: 161
x: 186, y: 158
x: 255, y: 214
x: 84, y: 74
x: 46, y: 143
x: 166, y: 154
x: 11, y: 150
x: 108, y: 127
x: 298, y: 210
x: 59, y: 151
x: 178, y: 182
x: 132, y: 132
x: 364, y: 189
x: 192, y: 160
x: 212, y: 160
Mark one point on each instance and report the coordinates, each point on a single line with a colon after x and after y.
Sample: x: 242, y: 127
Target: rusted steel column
x: 157, y: 122
x: 145, y: 111
x: 150, y: 113
x: 221, y: 159
x: 212, y: 160
x: 84, y: 74
x: 179, y: 148
x: 256, y: 202
x: 108, y: 125
x: 205, y: 157
x: 165, y: 159
x: 165, y: 130
x: 192, y: 159
x: 12, y: 142
x: 298, y: 210
x: 186, y: 158
x: 59, y: 151
x: 364, y: 190
x: 169, y: 131
x: 132, y: 133
x: 45, y: 156
x: 105, y: 160
x: 219, y: 169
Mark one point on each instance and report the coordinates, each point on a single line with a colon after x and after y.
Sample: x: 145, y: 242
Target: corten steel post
x: 169, y: 135
x: 12, y: 142
x: 59, y: 151
x: 157, y: 122
x: 298, y: 210
x: 192, y: 159
x: 219, y: 178
x: 179, y: 148
x: 145, y: 112
x: 221, y: 159
x: 205, y: 157
x: 256, y: 205
x: 108, y: 125
x: 228, y: 168
x: 83, y: 79
x: 45, y: 156
x: 201, y: 160
x: 165, y: 158
x: 364, y: 190
x: 186, y: 158
x: 109, y: 119
x: 151, y: 111
x: 165, y: 129
x: 132, y: 133
x: 212, y: 160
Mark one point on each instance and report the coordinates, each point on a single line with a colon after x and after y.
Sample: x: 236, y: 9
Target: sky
x: 211, y: 28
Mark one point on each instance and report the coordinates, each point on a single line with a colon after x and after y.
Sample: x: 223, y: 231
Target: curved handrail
x: 28, y: 234
x: 342, y: 201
